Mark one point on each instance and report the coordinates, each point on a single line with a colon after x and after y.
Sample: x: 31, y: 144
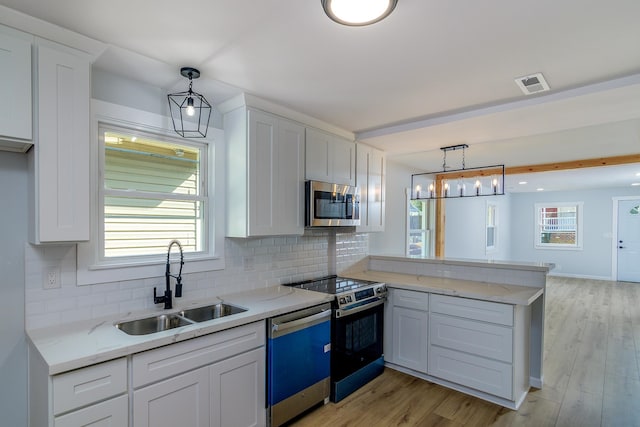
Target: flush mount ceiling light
x: 454, y: 183
x: 190, y: 111
x: 358, y: 12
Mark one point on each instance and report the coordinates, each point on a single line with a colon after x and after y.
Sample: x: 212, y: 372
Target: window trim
x: 494, y: 248
x: 104, y: 192
x: 90, y: 268
x: 427, y: 231
x: 579, y: 227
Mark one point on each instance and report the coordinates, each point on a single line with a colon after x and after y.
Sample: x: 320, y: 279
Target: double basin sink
x: 163, y: 322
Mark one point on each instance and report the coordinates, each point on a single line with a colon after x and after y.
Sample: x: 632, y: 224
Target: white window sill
x: 105, y: 273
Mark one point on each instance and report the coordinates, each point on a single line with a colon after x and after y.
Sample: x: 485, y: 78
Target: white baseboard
x: 581, y: 276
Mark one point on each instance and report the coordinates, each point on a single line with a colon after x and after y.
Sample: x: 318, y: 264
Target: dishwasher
x: 298, y: 362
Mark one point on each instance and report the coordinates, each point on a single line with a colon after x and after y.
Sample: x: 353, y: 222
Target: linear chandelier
x: 455, y: 183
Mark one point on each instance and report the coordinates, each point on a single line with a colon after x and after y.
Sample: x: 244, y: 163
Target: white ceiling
x: 434, y: 73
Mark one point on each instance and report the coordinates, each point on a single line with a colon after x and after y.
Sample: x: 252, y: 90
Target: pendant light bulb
x: 190, y: 108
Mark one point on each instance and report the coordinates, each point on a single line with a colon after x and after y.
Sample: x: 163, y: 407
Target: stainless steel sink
x: 153, y: 324
x: 202, y: 314
x: 163, y: 322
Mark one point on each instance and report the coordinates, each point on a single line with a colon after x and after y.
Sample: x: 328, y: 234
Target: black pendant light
x: 190, y: 111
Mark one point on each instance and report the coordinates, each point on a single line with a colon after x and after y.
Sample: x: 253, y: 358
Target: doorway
x: 627, y: 248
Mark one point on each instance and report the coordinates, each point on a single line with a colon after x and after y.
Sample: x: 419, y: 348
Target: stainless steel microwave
x: 331, y: 205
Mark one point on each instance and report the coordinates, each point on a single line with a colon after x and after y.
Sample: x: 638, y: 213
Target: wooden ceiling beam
x: 574, y: 164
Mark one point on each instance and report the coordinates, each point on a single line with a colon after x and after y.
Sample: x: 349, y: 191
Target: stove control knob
x: 342, y: 301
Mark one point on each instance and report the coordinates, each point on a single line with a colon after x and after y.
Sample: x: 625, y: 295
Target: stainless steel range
x: 356, y: 331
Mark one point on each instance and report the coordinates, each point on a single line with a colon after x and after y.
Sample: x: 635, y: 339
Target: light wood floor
x: 591, y: 373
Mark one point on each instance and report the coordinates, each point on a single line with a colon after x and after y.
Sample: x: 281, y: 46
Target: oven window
x: 360, y: 334
x: 357, y: 341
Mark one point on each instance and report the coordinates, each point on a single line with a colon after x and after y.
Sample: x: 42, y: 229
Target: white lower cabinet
x: 479, y: 347
x: 91, y: 396
x: 179, y: 401
x: 214, y: 380
x: 479, y: 373
x: 238, y: 391
x: 111, y: 413
x: 410, y: 329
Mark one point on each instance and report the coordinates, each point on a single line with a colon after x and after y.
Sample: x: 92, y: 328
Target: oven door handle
x: 281, y: 327
x: 350, y: 311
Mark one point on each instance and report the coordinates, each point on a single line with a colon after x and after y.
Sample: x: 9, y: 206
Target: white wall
x: 120, y: 90
x: 594, y: 260
x: 465, y: 228
x: 13, y: 232
x: 393, y: 240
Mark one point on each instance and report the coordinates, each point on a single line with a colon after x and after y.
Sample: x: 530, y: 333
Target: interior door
x: 629, y: 240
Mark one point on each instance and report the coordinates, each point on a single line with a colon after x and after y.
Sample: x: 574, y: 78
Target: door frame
x: 614, y: 240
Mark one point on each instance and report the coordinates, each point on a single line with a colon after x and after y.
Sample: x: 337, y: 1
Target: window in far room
x: 558, y: 225
x: 491, y: 223
x: 420, y: 225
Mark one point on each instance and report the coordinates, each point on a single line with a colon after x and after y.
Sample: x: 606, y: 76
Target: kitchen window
x: 150, y: 187
x: 155, y: 190
x: 558, y: 225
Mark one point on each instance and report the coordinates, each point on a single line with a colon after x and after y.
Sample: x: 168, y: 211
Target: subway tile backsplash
x: 250, y: 264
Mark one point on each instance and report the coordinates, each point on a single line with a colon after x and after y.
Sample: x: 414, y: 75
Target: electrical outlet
x: 51, y: 277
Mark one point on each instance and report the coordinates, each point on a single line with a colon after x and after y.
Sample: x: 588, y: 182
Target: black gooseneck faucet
x: 166, y: 298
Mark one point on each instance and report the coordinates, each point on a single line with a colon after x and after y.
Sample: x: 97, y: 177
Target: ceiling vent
x: 533, y: 83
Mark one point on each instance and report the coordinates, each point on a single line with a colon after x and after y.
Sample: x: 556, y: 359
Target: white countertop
x: 510, y: 265
x: 80, y: 344
x: 510, y: 294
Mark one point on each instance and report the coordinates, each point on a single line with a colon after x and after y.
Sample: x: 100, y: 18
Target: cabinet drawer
x: 87, y: 385
x: 114, y: 412
x: 489, y: 376
x: 174, y: 359
x: 411, y: 299
x: 470, y: 336
x: 485, y: 311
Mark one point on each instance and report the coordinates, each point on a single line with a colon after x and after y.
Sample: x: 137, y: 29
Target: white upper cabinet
x: 330, y: 158
x: 370, y: 179
x: 15, y: 90
x: 59, y: 161
x: 265, y: 174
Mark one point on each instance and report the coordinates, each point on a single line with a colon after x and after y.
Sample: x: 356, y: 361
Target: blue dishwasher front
x: 299, y: 362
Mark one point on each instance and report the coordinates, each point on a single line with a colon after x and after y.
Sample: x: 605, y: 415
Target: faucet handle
x: 157, y: 299
x: 178, y: 292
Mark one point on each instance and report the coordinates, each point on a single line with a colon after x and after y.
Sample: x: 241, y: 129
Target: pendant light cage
x: 190, y: 111
x: 456, y: 183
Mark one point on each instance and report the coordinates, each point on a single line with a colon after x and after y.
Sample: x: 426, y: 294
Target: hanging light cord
x: 463, y: 152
